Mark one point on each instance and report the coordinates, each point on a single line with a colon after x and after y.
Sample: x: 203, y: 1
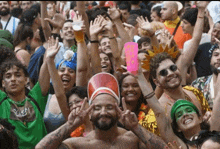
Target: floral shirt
x: 203, y: 84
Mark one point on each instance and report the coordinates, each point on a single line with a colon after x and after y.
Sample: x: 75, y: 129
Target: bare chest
x: 120, y: 143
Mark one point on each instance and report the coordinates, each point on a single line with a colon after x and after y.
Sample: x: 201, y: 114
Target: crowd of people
x: 66, y: 80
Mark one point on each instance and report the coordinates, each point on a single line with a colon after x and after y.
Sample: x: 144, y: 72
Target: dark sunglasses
x: 164, y: 72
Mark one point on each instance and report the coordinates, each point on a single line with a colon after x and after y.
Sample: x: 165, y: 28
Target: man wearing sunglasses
x: 170, y: 75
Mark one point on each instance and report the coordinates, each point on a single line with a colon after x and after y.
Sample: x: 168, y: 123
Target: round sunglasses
x: 164, y: 72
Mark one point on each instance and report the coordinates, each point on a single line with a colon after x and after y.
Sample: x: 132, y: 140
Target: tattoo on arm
x: 150, y: 139
x: 54, y: 139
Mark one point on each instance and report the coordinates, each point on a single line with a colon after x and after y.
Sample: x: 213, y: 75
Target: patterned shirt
x: 203, y: 84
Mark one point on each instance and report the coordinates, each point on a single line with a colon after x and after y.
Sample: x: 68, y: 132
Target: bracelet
x: 94, y: 41
x: 200, y: 17
x: 112, y: 37
x: 148, y: 96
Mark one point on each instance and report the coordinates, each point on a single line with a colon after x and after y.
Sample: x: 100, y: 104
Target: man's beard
x: 214, y: 70
x: 103, y: 125
x: 6, y: 12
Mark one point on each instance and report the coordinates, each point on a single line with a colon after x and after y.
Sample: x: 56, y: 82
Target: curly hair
x: 155, y: 62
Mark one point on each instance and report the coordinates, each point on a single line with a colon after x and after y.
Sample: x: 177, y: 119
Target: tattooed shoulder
x: 63, y: 146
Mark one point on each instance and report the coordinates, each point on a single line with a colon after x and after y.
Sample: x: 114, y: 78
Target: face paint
x: 182, y: 110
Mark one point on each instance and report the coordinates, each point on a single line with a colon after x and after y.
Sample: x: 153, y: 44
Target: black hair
x: 203, y: 125
x: 190, y: 15
x: 8, y: 64
x: 132, y: 19
x: 98, y: 12
x: 157, y: 9
x: 8, y: 139
x: 143, y: 39
x: 125, y: 6
x: 37, y: 7
x: 79, y: 91
x: 72, y: 4
x: 28, y: 17
x: 16, y: 12
x: 141, y: 99
x: 205, y: 135
x: 134, y: 2
x: 109, y: 57
x: 22, y: 33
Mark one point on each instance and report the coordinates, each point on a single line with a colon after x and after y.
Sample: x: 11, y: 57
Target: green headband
x: 179, y: 103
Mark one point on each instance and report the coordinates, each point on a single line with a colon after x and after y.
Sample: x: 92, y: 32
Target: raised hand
x: 57, y: 21
x: 53, y: 47
x: 202, y: 4
x: 77, y: 18
x: 78, y: 115
x: 96, y: 26
x: 145, y: 25
x: 129, y: 119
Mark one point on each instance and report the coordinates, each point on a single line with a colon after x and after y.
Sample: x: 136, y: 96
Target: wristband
x: 112, y: 37
x: 148, y: 96
x: 94, y: 41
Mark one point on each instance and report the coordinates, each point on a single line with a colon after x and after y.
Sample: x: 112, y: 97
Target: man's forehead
x: 13, y: 69
x: 104, y: 99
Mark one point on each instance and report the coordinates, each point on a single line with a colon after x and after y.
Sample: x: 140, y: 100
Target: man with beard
x: 104, y: 113
x: 8, y: 22
x: 207, y: 83
x: 202, y: 58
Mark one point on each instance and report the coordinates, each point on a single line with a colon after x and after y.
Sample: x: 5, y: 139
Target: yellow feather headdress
x: 146, y: 63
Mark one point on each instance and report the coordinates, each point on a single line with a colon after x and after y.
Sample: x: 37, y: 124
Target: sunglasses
x: 164, y: 72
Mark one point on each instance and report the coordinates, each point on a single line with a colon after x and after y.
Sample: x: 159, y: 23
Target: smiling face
x: 105, y: 63
x: 14, y: 80
x: 67, y: 31
x: 130, y: 89
x: 173, y: 78
x: 68, y: 77
x: 75, y: 100
x: 104, y: 115
x: 105, y: 45
x: 187, y: 118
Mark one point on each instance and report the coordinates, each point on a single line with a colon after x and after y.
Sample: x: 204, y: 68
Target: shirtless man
x: 104, y: 113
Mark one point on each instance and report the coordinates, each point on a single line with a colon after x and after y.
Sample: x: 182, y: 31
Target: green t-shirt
x: 25, y: 116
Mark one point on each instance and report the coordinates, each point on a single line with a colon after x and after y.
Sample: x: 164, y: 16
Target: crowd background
x: 53, y: 55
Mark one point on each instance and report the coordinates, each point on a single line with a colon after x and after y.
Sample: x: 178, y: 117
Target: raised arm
x: 53, y: 48
x: 82, y: 64
x: 147, y: 30
x: 80, y: 6
x: 55, y: 139
x: 114, y: 13
x: 214, y: 122
x: 96, y: 27
x: 187, y: 56
x: 163, y: 121
x: 45, y: 25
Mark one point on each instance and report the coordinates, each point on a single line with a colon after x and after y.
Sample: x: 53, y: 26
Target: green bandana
x: 182, y: 103
x: 182, y: 110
